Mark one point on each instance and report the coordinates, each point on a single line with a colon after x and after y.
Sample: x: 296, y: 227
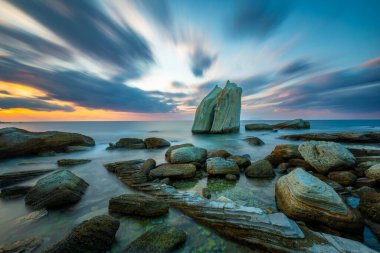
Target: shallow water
x: 104, y: 185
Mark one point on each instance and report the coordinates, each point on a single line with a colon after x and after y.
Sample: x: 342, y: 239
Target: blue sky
x: 152, y: 59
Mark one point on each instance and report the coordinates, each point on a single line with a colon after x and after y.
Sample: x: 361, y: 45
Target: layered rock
x: 72, y: 162
x: 27, y: 245
x: 221, y: 166
x: 326, y: 156
x: 174, y: 171
x: 14, y: 192
x: 94, y: 235
x: 188, y: 155
x: 260, y: 169
x: 159, y: 239
x: 258, y: 127
x: 11, y: 178
x: 293, y: 124
x: 60, y: 188
x: 349, y: 137
x: 154, y: 142
x: 302, y: 196
x: 137, y: 204
x: 15, y: 142
x: 219, y: 111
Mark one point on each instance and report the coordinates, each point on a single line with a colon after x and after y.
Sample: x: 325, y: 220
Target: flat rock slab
x: 293, y: 124
x: 258, y: 127
x: 28, y: 245
x: 347, y: 137
x: 11, y: 178
x: 72, y: 162
x: 60, y: 188
x: 174, y: 171
x: 138, y: 204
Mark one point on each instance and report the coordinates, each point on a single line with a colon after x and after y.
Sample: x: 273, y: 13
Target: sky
x: 155, y: 60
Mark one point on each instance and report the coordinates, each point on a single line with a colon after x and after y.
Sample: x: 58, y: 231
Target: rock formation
x: 219, y: 111
x: 349, y: 137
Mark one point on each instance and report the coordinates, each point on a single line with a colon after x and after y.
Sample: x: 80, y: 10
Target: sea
x: 104, y: 185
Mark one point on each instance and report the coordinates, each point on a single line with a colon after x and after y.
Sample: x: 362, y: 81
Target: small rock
x: 31, y: 217
x: 373, y: 172
x: 282, y: 153
x: 242, y: 161
x: 231, y: 177
x: 221, y: 166
x: 158, y: 239
x: 174, y: 171
x: 72, y: 162
x: 206, y: 193
x: 260, y: 169
x: 364, y: 181
x: 369, y: 206
x: 130, y: 143
x: 296, y: 162
x: 188, y: 155
x: 218, y: 153
x: 344, y: 178
x: 154, y: 142
x: 362, y: 167
x: 224, y: 200
x: 258, y: 127
x: 137, y: 204
x: 293, y: 124
x: 360, y: 191
x: 14, y: 192
x: 148, y: 165
x: 21, y: 246
x: 254, y: 141
x: 166, y: 180
x: 283, y: 167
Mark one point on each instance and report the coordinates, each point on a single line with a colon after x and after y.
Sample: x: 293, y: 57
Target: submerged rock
x: 31, y: 217
x: 14, y: 192
x: 130, y: 143
x: 94, y: 235
x: 72, y: 162
x: 349, y: 137
x: 60, y: 188
x: 260, y: 169
x: 326, y: 156
x: 188, y: 155
x: 158, y: 239
x: 154, y: 142
x: 258, y: 127
x: 138, y: 204
x: 174, y: 171
x: 344, y: 178
x: 254, y: 141
x: 219, y: 111
x: 28, y: 245
x: 293, y: 124
x: 15, y: 142
x: 11, y: 178
x: 221, y: 166
x: 373, y: 172
x: 369, y: 206
x: 302, y: 196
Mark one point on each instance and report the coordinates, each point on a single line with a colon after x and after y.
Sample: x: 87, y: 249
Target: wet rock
x: 304, y: 197
x: 72, y: 162
x: 14, y: 192
x: 296, y: 162
x: 94, y: 235
x: 282, y: 153
x: 231, y: 177
x: 60, y: 188
x: 168, y: 152
x: 344, y: 178
x: 254, y: 141
x: 348, y: 137
x: 11, y: 178
x: 206, y: 193
x: 260, y: 169
x: 130, y: 143
x: 360, y: 191
x: 373, y: 172
x: 188, y: 155
x: 360, y: 150
x: 218, y: 153
x: 137, y: 204
x: 326, y: 156
x: 173, y: 171
x: 154, y: 142
x: 148, y: 165
x: 364, y: 181
x: 15, y: 142
x: 369, y: 206
x: 293, y: 124
x: 361, y: 167
x: 335, y: 185
x: 158, y: 239
x: 116, y: 166
x: 242, y: 161
x: 362, y: 159
x: 28, y: 245
x: 283, y: 167
x: 221, y: 166
x: 375, y: 228
x: 166, y: 180
x: 258, y: 127
x: 31, y: 217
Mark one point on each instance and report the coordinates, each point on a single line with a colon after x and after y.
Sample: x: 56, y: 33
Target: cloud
x: 82, y: 89
x: 4, y: 92
x: 178, y: 84
x: 296, y: 67
x: 32, y: 104
x: 201, y: 61
x: 84, y: 26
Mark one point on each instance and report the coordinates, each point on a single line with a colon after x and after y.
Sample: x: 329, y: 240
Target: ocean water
x: 104, y: 185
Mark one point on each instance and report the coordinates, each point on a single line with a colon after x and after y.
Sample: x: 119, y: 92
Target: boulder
x: 94, y: 235
x: 154, y: 142
x: 364, y: 181
x: 148, y: 165
x: 158, y: 239
x: 168, y: 152
x: 11, y: 178
x: 369, y: 206
x: 114, y: 167
x: 296, y: 162
x: 72, y: 162
x: 27, y: 245
x: 138, y: 204
x: 326, y: 156
x: 283, y: 153
x: 241, y: 161
x: 304, y: 197
x: 130, y: 143
x: 360, y: 191
x: 204, y: 115
x: 218, y: 153
x: 362, y: 167
x: 221, y: 166
x: 360, y: 150
x: 258, y: 127
x: 254, y: 141
x: 60, y: 188
x: 14, y: 192
x: 348, y: 137
x: 345, y: 178
x: 260, y: 169
x: 188, y: 155
x: 15, y: 142
x: 174, y: 171
x: 373, y: 172
x: 293, y: 124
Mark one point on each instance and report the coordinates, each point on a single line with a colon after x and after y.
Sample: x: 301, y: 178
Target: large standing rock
x: 260, y: 169
x: 60, y: 188
x: 258, y: 127
x: 302, y: 196
x: 326, y: 156
x: 188, y: 155
x: 131, y: 143
x: 94, y: 235
x: 293, y: 124
x: 154, y: 142
x: 138, y: 204
x: 204, y: 116
x: 174, y: 171
x: 158, y: 239
x: 373, y: 172
x: 18, y: 142
x: 221, y: 166
x: 219, y: 111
